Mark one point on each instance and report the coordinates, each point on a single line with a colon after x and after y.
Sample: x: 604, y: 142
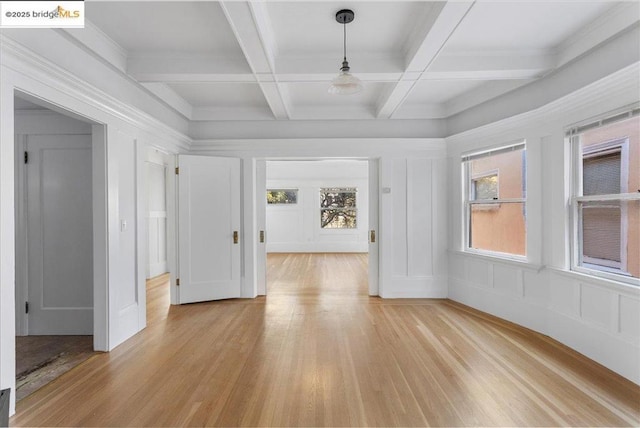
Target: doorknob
x: 262, y: 236
x: 372, y: 236
x: 235, y: 236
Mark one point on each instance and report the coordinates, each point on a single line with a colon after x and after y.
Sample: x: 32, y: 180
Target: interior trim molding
x: 21, y: 60
x: 623, y: 82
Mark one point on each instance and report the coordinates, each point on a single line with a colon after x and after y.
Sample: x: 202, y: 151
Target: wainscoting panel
x: 598, y: 318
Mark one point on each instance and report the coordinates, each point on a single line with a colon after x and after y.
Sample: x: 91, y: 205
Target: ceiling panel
x: 149, y: 27
x: 304, y: 28
x: 220, y: 94
x: 522, y: 25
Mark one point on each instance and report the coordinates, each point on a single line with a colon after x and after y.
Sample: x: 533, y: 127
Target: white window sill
x: 520, y: 262
x: 626, y: 285
x: 617, y: 283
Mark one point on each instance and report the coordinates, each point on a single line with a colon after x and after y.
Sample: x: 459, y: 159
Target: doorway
x: 54, y: 243
x: 156, y: 207
x: 317, y: 226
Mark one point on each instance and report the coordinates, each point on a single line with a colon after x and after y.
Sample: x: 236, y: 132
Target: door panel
x: 261, y: 223
x: 374, y: 236
x: 60, y: 234
x: 208, y: 215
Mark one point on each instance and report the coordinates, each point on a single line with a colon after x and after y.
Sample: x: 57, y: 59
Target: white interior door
x: 373, y: 228
x: 208, y: 228
x: 261, y: 223
x: 59, y: 234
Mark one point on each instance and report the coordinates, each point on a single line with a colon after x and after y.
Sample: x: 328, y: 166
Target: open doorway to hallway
x: 317, y: 227
x: 157, y: 270
x: 54, y: 244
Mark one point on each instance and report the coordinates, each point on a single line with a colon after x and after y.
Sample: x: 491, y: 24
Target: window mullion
x: 498, y: 201
x: 604, y: 198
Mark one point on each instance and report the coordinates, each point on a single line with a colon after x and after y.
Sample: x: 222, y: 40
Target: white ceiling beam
x: 489, y: 65
x: 250, y: 24
x: 422, y: 111
x: 615, y: 20
x: 481, y: 94
x: 322, y: 64
x: 169, y: 96
x: 231, y: 113
x: 463, y: 70
x: 327, y: 77
x: 422, y: 54
x: 333, y: 112
x: 100, y: 44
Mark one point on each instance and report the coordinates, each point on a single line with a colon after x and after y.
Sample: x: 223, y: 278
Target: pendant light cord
x: 344, y: 40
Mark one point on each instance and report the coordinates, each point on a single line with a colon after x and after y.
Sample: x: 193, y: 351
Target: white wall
x: 120, y: 133
x: 413, y: 227
x: 596, y: 317
x: 296, y: 227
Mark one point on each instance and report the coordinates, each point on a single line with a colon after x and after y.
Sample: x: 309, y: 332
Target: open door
x: 261, y: 223
x: 208, y: 228
x: 373, y: 228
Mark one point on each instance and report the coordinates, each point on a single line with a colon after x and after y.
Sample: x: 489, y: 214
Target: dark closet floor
x: 41, y: 359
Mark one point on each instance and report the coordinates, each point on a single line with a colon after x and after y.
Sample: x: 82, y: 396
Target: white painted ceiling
x: 268, y: 60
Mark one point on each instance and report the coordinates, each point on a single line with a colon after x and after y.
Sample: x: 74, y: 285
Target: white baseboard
x: 427, y: 287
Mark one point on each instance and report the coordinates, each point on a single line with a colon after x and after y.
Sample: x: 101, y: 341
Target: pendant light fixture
x: 345, y: 83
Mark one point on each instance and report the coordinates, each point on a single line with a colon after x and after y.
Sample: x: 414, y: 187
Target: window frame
x: 577, y: 261
x: 490, y: 204
x: 340, y: 189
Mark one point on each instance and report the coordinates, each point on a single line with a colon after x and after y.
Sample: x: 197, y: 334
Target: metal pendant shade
x: 345, y: 83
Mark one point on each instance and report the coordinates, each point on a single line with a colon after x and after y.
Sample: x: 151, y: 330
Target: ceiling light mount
x: 345, y: 16
x: 345, y: 83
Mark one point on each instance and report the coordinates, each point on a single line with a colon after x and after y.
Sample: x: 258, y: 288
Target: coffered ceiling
x: 274, y: 60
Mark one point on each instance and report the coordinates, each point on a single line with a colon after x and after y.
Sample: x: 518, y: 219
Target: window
x: 605, y: 205
x: 282, y: 196
x: 338, y: 208
x: 485, y: 187
x: 495, y: 200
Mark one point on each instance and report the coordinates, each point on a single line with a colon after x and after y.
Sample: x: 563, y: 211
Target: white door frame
x: 259, y: 216
x: 99, y: 207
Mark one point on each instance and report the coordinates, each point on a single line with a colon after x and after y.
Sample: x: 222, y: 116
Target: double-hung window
x: 605, y: 203
x: 495, y: 200
x: 338, y: 208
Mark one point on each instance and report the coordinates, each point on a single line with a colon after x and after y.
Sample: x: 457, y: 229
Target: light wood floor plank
x: 318, y: 351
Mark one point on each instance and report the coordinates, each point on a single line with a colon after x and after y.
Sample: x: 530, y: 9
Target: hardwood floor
x: 317, y: 351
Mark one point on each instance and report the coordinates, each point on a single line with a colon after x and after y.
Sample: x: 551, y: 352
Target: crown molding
x: 320, y: 147
x: 23, y: 61
x: 620, y: 85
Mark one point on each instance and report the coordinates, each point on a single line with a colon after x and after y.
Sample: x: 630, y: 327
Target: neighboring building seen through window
x: 496, y: 200
x: 485, y: 187
x: 282, y: 196
x: 338, y: 208
x: 606, y: 199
